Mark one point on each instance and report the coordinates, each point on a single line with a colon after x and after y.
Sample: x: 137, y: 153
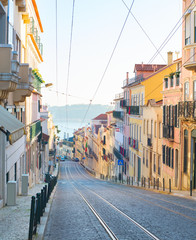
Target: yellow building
x: 146, y: 85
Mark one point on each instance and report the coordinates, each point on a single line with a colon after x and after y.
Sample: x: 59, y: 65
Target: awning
x: 13, y: 128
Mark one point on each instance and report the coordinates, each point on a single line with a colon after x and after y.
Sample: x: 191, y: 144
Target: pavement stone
x: 14, y: 220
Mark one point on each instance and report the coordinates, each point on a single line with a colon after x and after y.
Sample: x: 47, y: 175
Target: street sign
x: 120, y: 162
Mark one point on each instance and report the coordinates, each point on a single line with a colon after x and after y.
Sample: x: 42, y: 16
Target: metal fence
x: 38, y: 205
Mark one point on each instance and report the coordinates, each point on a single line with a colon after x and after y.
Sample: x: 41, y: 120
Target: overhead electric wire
x: 106, y: 68
x: 170, y: 35
x: 69, y: 60
x: 144, y: 31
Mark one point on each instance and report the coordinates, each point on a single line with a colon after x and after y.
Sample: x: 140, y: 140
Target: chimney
x: 127, y: 77
x: 169, y: 58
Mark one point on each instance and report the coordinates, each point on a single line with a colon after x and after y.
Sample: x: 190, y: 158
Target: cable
x: 69, y: 95
x: 171, y: 33
x: 144, y: 31
x: 69, y: 61
x: 108, y: 61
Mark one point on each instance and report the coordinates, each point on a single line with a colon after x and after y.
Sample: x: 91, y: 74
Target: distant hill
x: 76, y: 113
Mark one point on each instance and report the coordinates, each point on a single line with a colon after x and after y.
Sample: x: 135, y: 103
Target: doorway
x: 176, y: 167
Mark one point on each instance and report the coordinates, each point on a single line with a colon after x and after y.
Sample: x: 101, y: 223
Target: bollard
x: 38, y: 207
x: 154, y: 184
x: 163, y: 184
x: 132, y: 181
x: 157, y: 183
x: 42, y: 203
x: 169, y: 185
x: 31, y: 222
x: 148, y: 182
x: 191, y: 187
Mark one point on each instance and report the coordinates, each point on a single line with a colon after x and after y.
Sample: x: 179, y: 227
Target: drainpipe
x: 3, y: 135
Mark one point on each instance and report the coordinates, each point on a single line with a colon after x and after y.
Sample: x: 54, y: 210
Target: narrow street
x: 88, y: 208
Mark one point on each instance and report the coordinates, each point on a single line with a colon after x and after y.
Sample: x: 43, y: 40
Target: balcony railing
x: 32, y: 30
x: 187, y: 109
x: 133, y: 143
x: 123, y: 103
x: 133, y: 110
x: 118, y: 114
x: 119, y: 95
x: 168, y: 132
x: 135, y: 79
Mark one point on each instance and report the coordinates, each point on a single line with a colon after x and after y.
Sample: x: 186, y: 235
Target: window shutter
x: 172, y: 163
x: 176, y: 116
x: 163, y: 149
x: 164, y: 115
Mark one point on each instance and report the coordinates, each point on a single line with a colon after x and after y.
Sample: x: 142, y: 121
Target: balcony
x: 190, y: 58
x: 21, y: 5
x: 24, y: 87
x: 9, y: 68
x: 123, y: 103
x: 118, y: 114
x: 133, y: 110
x: 117, y: 154
x: 136, y: 79
x: 119, y: 96
x: 168, y: 132
x: 35, y: 129
x: 33, y: 33
x: 187, y: 110
x: 133, y: 143
x: 149, y: 140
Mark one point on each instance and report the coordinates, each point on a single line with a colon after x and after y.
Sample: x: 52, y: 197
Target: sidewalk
x: 14, y: 220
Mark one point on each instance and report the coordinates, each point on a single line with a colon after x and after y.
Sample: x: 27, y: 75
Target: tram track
x: 139, y: 226
x: 133, y: 194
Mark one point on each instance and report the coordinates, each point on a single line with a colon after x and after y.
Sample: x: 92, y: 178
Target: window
x: 143, y: 155
x: 186, y: 91
x: 151, y: 128
x: 144, y: 126
x: 177, y: 80
x: 15, y: 172
x: 159, y: 165
x: 146, y: 158
x: 154, y: 162
x: 7, y: 177
x: 171, y: 81
x: 160, y: 130
x: 185, y: 150
x: 166, y: 82
x: 147, y: 127
x: 194, y: 90
x: 163, y: 154
x: 140, y: 133
x: 155, y: 129
x: 188, y: 29
x: 172, y: 158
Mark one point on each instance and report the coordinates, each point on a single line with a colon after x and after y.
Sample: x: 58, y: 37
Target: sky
x: 96, y: 27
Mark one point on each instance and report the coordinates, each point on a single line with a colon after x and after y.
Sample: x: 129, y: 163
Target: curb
x: 44, y: 219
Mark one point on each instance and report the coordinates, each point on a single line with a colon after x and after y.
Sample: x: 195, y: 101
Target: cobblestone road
x: 163, y: 216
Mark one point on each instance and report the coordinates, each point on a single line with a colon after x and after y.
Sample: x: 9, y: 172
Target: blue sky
x: 97, y: 24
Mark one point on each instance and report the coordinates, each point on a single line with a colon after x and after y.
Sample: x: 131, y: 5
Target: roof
x: 11, y: 125
x: 101, y: 117
x: 148, y: 67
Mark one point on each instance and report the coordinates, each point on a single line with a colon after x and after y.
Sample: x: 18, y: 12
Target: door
x: 139, y: 168
x: 176, y: 168
x: 194, y: 164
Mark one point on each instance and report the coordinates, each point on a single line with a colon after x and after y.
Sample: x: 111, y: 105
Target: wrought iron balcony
x: 187, y: 109
x: 133, y: 110
x: 118, y: 114
x: 168, y: 132
x: 133, y: 143
x: 123, y: 103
